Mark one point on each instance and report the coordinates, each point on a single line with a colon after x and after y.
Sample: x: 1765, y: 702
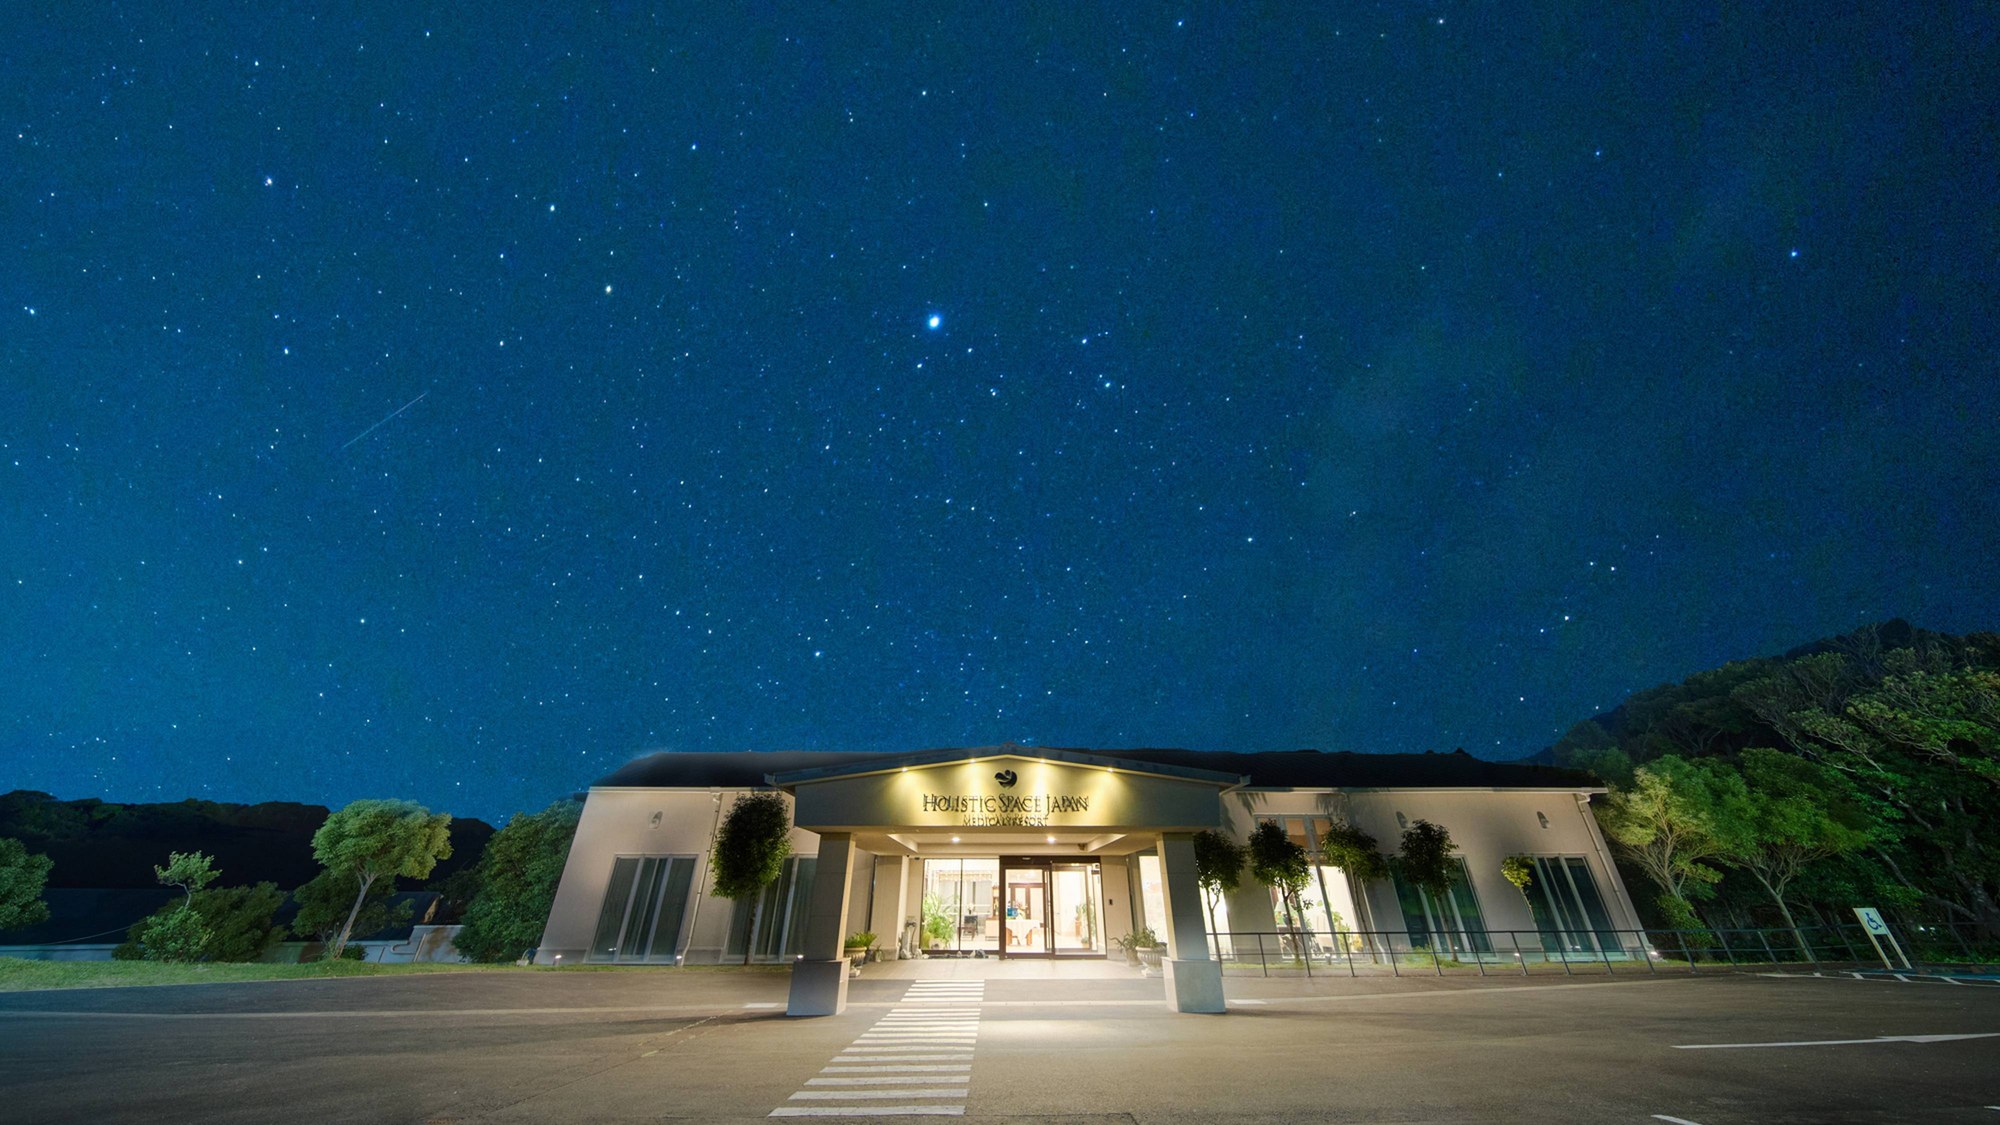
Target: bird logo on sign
x: 1006, y: 779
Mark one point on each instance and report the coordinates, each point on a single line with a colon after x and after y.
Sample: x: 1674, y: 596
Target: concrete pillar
x: 1194, y: 980
x: 1118, y: 898
x: 892, y: 887
x: 1250, y: 908
x: 819, y: 976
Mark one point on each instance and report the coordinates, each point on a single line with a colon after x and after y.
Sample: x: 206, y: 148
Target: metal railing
x: 1288, y: 951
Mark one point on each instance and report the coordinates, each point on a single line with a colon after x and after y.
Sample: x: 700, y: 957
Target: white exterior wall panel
x: 619, y: 822
x: 1487, y: 825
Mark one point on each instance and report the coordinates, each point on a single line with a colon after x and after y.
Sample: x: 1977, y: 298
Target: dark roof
x: 1267, y: 770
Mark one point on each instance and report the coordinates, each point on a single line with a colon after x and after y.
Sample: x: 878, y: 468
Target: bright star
x: 935, y: 321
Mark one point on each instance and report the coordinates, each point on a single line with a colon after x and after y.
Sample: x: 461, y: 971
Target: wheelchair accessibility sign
x: 1878, y: 931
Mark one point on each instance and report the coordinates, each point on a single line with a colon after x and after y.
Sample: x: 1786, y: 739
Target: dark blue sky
x: 453, y: 403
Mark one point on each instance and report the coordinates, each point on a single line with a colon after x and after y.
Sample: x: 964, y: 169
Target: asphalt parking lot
x: 646, y: 1045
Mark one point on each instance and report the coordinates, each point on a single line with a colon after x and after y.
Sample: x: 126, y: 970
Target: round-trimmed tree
x: 751, y: 846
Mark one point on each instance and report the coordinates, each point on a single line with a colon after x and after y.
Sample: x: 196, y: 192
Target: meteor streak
x: 378, y: 425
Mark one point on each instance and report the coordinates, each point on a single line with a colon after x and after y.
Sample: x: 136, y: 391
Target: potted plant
x: 1141, y: 948
x: 938, y: 927
x: 859, y: 945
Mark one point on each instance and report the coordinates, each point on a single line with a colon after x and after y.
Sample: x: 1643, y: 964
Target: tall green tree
x: 518, y: 874
x: 1792, y: 813
x: 1428, y: 859
x: 373, y: 840
x: 1218, y: 868
x: 1665, y: 823
x: 1925, y: 743
x: 1281, y: 863
x: 22, y: 877
x: 326, y: 905
x: 1355, y: 852
x: 751, y: 846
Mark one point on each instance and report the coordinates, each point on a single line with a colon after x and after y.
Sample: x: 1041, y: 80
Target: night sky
x: 452, y: 404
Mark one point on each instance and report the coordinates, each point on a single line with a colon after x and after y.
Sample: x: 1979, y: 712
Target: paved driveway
x: 654, y: 1044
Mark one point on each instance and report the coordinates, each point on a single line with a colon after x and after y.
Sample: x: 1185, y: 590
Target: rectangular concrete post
x: 819, y: 976
x: 892, y: 886
x: 1194, y: 980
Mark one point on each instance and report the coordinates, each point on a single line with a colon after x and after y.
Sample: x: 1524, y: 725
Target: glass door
x: 1076, y: 897
x: 1025, y: 909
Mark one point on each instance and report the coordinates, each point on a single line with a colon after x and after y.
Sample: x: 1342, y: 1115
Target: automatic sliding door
x: 1024, y: 929
x: 1076, y: 897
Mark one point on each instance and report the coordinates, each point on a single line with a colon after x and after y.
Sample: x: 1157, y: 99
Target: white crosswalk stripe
x: 918, y: 1057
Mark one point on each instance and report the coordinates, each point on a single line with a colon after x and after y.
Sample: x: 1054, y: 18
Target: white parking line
x: 1880, y: 1039
x: 1674, y: 1120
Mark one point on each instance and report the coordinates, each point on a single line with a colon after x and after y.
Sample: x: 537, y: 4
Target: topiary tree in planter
x: 751, y: 846
x: 1355, y: 852
x: 1427, y: 863
x: 1218, y: 868
x: 1278, y: 862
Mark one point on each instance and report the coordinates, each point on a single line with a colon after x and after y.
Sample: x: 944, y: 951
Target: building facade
x: 1018, y: 852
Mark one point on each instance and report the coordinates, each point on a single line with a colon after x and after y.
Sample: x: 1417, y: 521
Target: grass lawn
x: 17, y: 975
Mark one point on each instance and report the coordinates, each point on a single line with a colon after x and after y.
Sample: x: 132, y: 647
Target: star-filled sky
x: 453, y: 401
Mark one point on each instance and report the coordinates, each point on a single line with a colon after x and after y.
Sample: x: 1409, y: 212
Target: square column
x: 819, y: 977
x: 1194, y: 980
x: 892, y: 886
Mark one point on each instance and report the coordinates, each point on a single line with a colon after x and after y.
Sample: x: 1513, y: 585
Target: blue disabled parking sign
x: 1878, y: 930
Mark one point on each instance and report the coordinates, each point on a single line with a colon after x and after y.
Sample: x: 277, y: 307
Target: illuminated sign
x: 1031, y: 810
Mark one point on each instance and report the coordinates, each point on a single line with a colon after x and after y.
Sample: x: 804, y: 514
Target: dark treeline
x: 105, y: 844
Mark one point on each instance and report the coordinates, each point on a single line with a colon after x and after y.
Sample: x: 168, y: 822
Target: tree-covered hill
x: 104, y: 844
x: 1892, y: 796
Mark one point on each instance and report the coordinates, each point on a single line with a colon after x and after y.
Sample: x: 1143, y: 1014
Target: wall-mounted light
x: 954, y: 839
x: 655, y: 821
x: 1401, y: 820
x: 1052, y: 839
x: 1543, y: 817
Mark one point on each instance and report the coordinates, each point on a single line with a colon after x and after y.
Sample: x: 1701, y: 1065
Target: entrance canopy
x: 1009, y: 799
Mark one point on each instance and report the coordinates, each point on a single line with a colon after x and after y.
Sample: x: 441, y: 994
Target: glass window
x: 1151, y: 893
x: 1326, y: 901
x: 960, y: 901
x: 1455, y: 922
x: 644, y: 903
x: 1567, y: 908
x: 778, y: 914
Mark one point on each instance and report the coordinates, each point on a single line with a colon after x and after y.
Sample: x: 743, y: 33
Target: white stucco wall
x: 1488, y: 825
x: 620, y: 822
